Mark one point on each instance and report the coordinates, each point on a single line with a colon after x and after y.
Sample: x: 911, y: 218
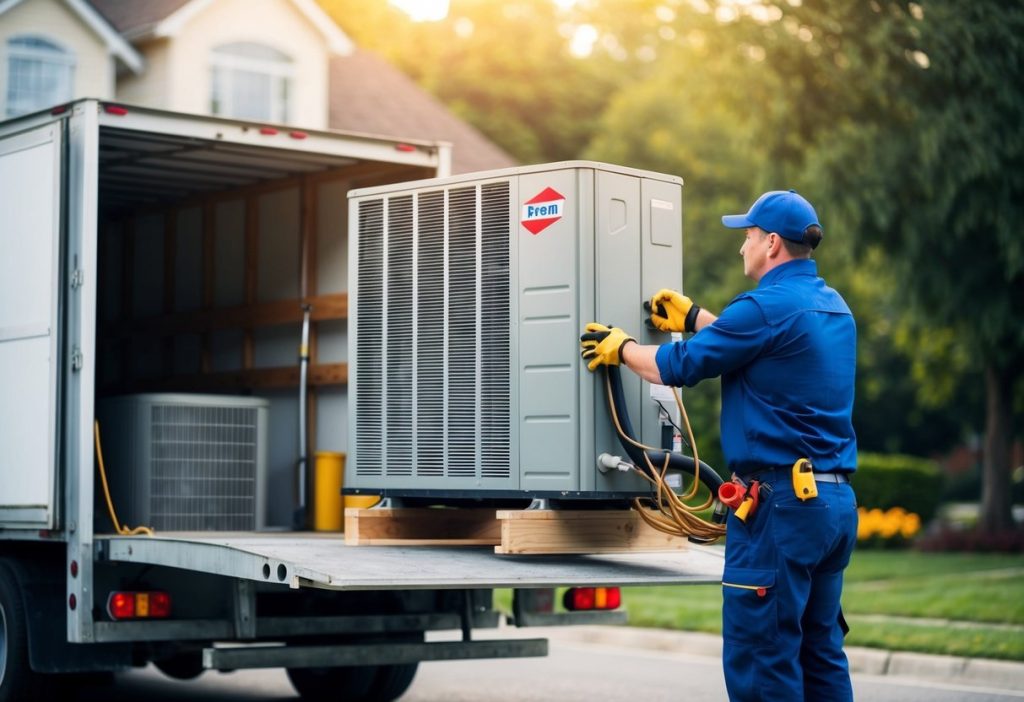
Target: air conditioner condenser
x: 467, y: 297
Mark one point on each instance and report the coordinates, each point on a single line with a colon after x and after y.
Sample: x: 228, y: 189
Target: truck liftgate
x: 324, y: 561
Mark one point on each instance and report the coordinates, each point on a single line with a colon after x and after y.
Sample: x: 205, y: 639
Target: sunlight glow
x: 423, y: 10
x: 583, y: 40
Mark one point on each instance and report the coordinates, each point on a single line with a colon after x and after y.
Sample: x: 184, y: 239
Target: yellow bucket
x: 328, y: 504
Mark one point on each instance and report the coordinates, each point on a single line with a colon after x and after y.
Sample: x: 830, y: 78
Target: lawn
x: 956, y: 604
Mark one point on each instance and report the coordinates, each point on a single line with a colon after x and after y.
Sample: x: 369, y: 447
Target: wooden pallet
x: 421, y: 527
x: 509, y: 531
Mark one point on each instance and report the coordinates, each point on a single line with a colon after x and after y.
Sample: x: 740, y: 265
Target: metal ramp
x: 324, y: 561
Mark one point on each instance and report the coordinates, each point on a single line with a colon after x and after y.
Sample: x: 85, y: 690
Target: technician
x: 786, y: 352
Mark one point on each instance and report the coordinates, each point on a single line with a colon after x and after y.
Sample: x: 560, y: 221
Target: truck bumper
x: 284, y: 656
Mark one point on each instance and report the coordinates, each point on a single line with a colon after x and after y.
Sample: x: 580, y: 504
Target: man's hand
x: 670, y: 311
x: 602, y: 345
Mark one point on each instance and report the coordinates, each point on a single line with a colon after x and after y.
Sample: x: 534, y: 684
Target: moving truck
x: 155, y: 270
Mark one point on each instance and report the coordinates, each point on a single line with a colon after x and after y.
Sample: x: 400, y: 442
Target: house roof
x: 139, y: 21
x: 368, y: 94
x: 132, y: 17
x: 116, y: 44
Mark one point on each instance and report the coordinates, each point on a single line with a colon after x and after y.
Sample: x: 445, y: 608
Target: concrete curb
x: 871, y: 661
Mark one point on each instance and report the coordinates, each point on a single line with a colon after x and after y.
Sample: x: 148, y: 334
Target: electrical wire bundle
x: 667, y: 511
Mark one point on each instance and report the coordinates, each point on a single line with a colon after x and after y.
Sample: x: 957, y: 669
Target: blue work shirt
x: 786, y: 352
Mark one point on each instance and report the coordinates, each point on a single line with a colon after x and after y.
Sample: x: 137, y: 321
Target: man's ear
x: 775, y: 245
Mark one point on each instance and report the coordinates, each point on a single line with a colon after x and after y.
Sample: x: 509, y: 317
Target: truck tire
x: 393, y: 680
x: 17, y: 680
x: 366, y: 683
x: 184, y: 665
x: 340, y: 684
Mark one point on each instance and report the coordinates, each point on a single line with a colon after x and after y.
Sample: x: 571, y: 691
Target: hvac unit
x: 179, y: 462
x: 467, y: 299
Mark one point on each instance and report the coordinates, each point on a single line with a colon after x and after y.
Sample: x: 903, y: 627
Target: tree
x: 827, y: 96
x: 911, y: 116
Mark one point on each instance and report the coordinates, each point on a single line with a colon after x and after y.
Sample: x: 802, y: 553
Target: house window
x: 251, y: 81
x: 40, y: 74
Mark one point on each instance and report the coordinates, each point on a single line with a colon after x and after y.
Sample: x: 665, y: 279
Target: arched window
x: 251, y: 81
x: 40, y: 74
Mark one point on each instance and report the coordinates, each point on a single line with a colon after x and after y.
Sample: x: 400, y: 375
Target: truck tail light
x: 138, y: 605
x: 586, y: 598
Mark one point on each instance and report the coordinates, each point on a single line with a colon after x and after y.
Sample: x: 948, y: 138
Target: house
x: 277, y: 61
x: 55, y: 50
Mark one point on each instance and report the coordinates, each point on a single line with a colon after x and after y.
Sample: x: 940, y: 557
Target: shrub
x: 884, y: 481
x: 972, y: 540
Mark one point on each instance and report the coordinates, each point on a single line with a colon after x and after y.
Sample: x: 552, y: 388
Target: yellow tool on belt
x: 803, y: 479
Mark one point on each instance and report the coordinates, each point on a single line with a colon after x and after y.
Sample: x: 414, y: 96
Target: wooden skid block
x: 552, y: 531
x: 421, y: 527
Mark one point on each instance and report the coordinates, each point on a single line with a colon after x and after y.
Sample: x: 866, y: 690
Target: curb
x: 981, y: 672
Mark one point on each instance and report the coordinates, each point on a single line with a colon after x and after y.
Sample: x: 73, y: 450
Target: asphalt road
x: 572, y: 672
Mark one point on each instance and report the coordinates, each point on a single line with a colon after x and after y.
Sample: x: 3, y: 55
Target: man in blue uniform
x: 786, y: 353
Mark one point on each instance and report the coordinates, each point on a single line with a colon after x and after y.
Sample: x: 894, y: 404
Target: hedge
x: 886, y: 480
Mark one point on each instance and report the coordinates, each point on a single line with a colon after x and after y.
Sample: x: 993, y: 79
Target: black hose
x: 676, y: 461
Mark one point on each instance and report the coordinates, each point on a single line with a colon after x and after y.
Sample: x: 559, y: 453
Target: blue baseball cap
x: 784, y: 212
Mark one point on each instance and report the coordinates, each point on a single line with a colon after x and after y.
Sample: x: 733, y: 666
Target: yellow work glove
x: 602, y: 345
x: 671, y: 311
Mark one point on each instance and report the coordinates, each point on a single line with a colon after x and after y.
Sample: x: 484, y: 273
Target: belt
x: 831, y: 477
x: 786, y: 473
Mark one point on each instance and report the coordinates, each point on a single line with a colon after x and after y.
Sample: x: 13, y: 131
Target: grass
x: 954, y: 604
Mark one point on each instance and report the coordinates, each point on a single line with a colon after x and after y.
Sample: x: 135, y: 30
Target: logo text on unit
x: 542, y: 210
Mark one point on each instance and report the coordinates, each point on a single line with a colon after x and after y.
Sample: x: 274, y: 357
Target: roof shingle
x: 129, y: 16
x: 368, y: 94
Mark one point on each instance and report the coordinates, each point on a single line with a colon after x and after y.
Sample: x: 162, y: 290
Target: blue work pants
x: 781, y: 587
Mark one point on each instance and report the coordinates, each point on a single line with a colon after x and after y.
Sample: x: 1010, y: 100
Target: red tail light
x: 121, y: 605
x: 587, y: 598
x: 160, y: 605
x: 139, y: 605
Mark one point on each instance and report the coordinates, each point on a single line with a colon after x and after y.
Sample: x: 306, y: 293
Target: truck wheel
x: 185, y: 665
x: 348, y: 683
x: 366, y: 683
x: 393, y: 680
x: 17, y: 680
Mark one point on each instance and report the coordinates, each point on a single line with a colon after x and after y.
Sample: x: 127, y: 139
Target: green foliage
x: 956, y: 604
x: 899, y: 120
x: 506, y: 67
x: 894, y: 480
x: 911, y: 395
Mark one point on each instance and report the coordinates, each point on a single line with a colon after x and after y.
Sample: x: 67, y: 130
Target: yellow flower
x: 891, y: 522
x: 864, y: 529
x: 911, y: 525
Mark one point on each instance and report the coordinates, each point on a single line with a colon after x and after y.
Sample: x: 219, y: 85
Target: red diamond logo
x: 543, y: 210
